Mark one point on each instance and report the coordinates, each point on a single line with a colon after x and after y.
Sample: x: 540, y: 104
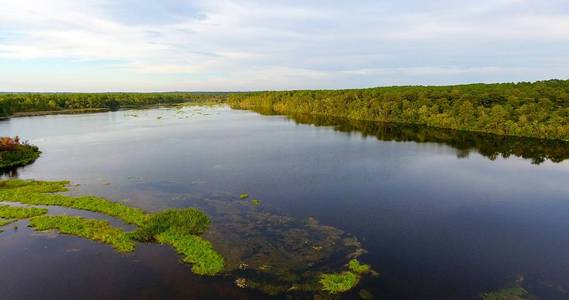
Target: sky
x: 230, y: 45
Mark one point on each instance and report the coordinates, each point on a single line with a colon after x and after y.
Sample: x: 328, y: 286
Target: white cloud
x: 281, y: 44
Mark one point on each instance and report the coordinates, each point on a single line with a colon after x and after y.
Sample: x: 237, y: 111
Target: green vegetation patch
x: 196, y: 251
x: 14, y: 153
x: 340, y: 282
x: 179, y: 228
x: 97, y: 230
x: 513, y: 293
x: 187, y: 220
x: 4, y: 222
x: 355, y: 266
x: 40, y: 193
x: 243, y: 196
x: 12, y: 212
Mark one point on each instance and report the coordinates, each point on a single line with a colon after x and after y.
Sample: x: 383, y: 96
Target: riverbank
x: 34, y: 104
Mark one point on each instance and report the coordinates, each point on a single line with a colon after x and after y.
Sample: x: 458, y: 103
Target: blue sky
x: 167, y: 45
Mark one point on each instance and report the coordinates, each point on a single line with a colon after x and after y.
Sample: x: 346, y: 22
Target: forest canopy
x: 539, y: 109
x: 34, y: 102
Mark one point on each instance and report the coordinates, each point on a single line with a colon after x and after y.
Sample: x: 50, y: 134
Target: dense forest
x: 539, y: 109
x: 34, y: 102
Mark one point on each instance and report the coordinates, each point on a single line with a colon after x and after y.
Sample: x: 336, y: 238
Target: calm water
x: 443, y: 215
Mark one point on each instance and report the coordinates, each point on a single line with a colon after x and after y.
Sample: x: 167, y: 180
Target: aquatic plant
x: 513, y: 292
x: 339, y: 282
x: 187, y: 220
x: 13, y: 212
x: 4, y: 222
x: 243, y: 196
x: 196, y: 251
x: 355, y: 266
x: 179, y: 228
x: 256, y: 202
x: 285, y: 271
x: 40, y: 193
x: 97, y: 230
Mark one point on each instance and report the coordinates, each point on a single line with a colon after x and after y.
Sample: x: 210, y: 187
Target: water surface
x: 442, y: 214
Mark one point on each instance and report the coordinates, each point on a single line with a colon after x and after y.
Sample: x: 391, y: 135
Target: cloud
x: 228, y: 44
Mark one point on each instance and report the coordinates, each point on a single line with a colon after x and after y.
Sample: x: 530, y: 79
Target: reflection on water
x: 447, y: 215
x: 489, y: 145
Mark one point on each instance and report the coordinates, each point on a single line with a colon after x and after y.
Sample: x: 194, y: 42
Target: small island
x: 15, y: 153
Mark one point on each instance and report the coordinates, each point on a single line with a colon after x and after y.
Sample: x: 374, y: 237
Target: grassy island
x: 14, y: 153
x: 180, y: 228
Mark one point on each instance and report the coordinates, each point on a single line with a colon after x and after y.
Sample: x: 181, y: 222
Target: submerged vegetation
x: 539, y: 109
x: 305, y: 248
x: 14, y: 153
x: 513, y: 292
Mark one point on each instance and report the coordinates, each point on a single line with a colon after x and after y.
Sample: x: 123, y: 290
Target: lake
x: 440, y: 214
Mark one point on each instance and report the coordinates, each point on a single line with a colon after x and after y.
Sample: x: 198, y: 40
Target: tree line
x: 11, y: 103
x: 539, y: 109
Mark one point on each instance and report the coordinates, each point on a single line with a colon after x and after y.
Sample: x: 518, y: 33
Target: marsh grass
x: 4, y: 222
x: 96, y: 230
x: 12, y: 212
x: 40, y: 193
x: 187, y: 220
x: 196, y: 251
x: 339, y: 282
x: 179, y: 228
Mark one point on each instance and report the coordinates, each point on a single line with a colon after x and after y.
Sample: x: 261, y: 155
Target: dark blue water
x: 439, y: 220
